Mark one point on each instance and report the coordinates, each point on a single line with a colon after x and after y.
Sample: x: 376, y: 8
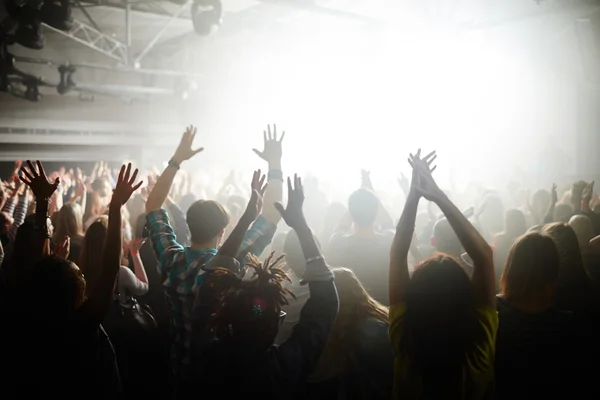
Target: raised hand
x: 588, y: 193
x: 136, y: 244
x: 293, y: 214
x: 366, y: 182
x: 272, y: 147
x: 255, y: 203
x: 554, y: 194
x: 424, y: 184
x: 184, y: 151
x: 62, y: 249
x: 125, y: 186
x: 38, y: 181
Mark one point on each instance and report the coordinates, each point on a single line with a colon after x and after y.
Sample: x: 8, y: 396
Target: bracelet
x: 134, y: 252
x: 174, y: 164
x: 313, y: 259
x: 275, y: 174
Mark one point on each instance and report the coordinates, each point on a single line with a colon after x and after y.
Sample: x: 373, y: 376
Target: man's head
x: 444, y: 239
x: 363, y: 206
x: 102, y: 187
x: 250, y: 313
x: 207, y: 221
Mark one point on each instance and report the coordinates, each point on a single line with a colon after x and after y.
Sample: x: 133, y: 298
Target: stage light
x: 207, y: 16
x: 57, y: 14
x: 28, y: 15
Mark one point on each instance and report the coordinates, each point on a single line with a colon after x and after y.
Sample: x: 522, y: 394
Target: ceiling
x: 210, y: 62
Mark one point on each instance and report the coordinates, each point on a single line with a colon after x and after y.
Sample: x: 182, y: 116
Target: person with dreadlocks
x: 242, y: 358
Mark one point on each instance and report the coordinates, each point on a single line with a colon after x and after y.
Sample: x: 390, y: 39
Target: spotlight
x: 57, y: 14
x: 28, y: 15
x: 207, y: 16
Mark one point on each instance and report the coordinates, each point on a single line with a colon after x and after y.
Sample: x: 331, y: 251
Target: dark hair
x: 206, y: 219
x: 251, y: 308
x: 363, y: 206
x: 445, y: 238
x: 440, y: 323
x: 574, y: 285
x: 57, y: 287
x: 532, y: 264
x: 90, y: 260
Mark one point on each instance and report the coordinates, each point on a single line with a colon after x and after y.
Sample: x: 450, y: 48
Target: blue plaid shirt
x: 181, y: 270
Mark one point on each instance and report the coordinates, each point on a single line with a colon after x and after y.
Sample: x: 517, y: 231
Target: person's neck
x: 363, y: 230
x: 204, y: 245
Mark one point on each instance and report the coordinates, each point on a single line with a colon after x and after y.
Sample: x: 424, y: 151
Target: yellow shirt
x: 478, y: 371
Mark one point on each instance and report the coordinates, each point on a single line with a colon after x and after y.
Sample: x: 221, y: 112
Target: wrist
x: 275, y: 165
x: 134, y: 252
x: 175, y: 162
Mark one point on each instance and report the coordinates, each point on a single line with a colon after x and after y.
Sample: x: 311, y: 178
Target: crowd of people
x: 113, y: 286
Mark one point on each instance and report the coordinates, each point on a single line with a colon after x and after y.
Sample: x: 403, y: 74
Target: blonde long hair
x: 90, y: 261
x: 356, y: 306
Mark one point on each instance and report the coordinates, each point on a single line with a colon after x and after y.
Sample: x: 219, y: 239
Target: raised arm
x: 231, y: 247
x: 272, y: 153
x: 399, y: 275
x: 43, y: 190
x: 184, y: 152
x: 98, y: 303
x: 318, y: 314
x: 473, y: 243
x: 549, y: 217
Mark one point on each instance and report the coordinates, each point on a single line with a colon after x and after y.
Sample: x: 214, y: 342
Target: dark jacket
x: 230, y: 371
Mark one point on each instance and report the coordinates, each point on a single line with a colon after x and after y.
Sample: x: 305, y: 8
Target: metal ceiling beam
x: 96, y: 40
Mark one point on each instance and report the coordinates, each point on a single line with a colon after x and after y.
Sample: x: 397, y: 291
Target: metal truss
x: 96, y: 40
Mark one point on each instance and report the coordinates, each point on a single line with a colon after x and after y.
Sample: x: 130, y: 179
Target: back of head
x: 531, y: 269
x: 444, y: 238
x: 583, y: 228
x: 492, y: 217
x: 355, y: 302
x: 540, y: 200
x: 91, y: 252
x: 440, y: 324
x: 57, y: 288
x: 206, y: 219
x: 251, y: 309
x: 363, y: 206
x: 563, y: 212
x: 573, y: 282
x: 440, y: 306
x: 69, y: 222
x: 515, y: 224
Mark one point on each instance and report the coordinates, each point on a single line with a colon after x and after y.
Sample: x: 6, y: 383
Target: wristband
x: 275, y: 174
x: 313, y: 259
x: 174, y: 164
x: 134, y: 252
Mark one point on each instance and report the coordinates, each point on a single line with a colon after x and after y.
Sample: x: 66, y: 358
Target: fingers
x: 25, y: 181
x: 120, y: 179
x: 290, y: 188
x: 135, y: 173
x: 56, y: 182
x: 32, y: 169
x: 200, y: 150
x: 258, y: 153
x: 279, y: 207
x: 136, y: 187
x: 41, y: 168
x: 127, y: 173
x: 282, y: 136
x: 428, y: 156
x: 27, y: 174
